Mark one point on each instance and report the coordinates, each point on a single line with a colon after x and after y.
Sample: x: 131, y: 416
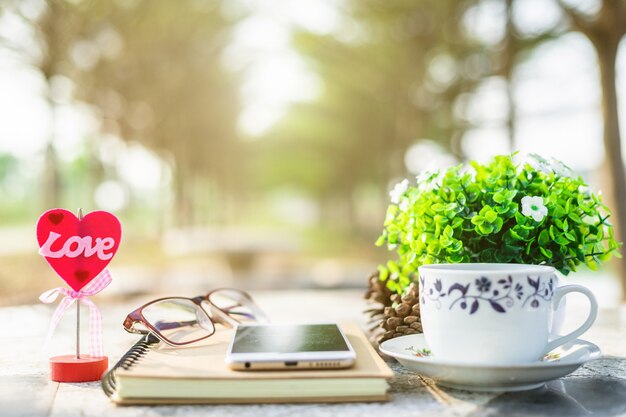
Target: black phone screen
x: 289, y: 339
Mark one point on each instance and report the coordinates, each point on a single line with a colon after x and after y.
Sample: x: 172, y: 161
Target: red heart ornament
x: 78, y: 250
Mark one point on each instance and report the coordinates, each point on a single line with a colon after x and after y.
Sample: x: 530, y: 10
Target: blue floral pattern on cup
x: 499, y: 295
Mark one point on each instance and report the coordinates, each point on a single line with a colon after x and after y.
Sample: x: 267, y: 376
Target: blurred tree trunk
x: 605, y: 30
x: 508, y: 64
x: 51, y: 181
x: 183, y: 212
x: 53, y: 35
x: 607, y: 55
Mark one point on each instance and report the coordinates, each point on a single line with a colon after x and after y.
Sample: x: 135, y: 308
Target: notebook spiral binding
x: 135, y: 353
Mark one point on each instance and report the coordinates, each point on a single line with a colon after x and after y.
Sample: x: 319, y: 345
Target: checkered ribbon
x: 69, y: 296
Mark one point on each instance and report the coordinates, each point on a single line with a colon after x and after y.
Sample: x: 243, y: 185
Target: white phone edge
x: 290, y: 361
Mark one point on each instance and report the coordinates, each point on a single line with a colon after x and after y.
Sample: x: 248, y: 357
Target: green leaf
x: 500, y: 197
x: 478, y: 220
x: 558, y: 211
x: 528, y: 246
x: 491, y: 216
x: 383, y: 273
x: 412, y: 257
x: 569, y: 237
x: 445, y: 241
x: 485, y: 228
x: 434, y: 248
x: 440, y: 220
x: 454, y: 258
x: 572, y: 215
x: 404, y: 281
x: 592, y: 265
x: 451, y: 207
x: 558, y: 224
x: 456, y: 246
x: 561, y: 240
x: 438, y: 207
x: 502, y: 209
x: 393, y: 267
x: 546, y: 252
x: 497, y: 225
x: 552, y: 232
x: 515, y: 235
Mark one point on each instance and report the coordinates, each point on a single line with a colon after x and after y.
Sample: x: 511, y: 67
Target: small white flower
x: 398, y: 191
x: 549, y: 166
x: 404, y: 204
x: 540, y: 163
x: 427, y: 180
x: 533, y: 207
x: 423, y: 176
x: 560, y: 168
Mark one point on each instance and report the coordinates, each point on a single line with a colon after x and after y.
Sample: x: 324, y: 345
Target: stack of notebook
x: 154, y: 373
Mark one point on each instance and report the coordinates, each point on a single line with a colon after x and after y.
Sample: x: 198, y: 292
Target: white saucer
x: 472, y: 377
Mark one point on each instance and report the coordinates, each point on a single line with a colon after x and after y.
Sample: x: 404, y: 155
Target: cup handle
x: 559, y: 293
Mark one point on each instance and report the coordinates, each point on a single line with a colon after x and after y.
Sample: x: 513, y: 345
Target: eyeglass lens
x: 237, y: 305
x: 178, y: 320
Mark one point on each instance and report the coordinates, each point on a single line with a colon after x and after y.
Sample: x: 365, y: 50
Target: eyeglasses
x: 180, y: 321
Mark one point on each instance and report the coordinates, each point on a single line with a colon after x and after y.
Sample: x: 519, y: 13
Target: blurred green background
x: 253, y: 143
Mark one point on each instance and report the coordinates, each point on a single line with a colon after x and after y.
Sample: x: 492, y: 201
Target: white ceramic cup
x: 497, y: 314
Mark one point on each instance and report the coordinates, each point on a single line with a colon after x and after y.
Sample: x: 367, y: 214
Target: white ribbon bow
x: 69, y: 296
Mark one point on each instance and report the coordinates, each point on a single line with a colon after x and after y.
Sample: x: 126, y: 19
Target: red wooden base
x: 69, y: 369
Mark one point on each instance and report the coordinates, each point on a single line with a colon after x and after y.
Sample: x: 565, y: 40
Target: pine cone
x: 395, y: 315
x: 377, y: 291
x: 404, y: 316
x: 379, y: 297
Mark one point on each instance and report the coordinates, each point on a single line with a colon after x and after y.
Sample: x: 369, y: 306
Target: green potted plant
x: 532, y: 212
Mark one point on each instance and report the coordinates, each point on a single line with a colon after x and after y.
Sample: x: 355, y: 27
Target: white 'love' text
x: 76, y: 245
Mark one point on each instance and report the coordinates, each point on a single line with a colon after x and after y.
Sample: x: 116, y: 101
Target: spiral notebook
x: 154, y: 373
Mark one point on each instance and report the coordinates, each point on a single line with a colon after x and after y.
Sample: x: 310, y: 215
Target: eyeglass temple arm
x: 240, y: 313
x: 169, y: 325
x: 224, y: 314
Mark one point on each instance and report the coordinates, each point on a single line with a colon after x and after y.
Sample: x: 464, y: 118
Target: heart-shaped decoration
x: 78, y: 250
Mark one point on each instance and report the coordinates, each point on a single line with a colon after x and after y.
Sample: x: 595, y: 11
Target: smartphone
x: 289, y: 346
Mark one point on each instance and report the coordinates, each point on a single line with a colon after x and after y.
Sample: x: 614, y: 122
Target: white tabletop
x: 599, y: 387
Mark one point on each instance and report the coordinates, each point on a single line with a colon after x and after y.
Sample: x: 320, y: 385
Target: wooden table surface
x: 598, y: 388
